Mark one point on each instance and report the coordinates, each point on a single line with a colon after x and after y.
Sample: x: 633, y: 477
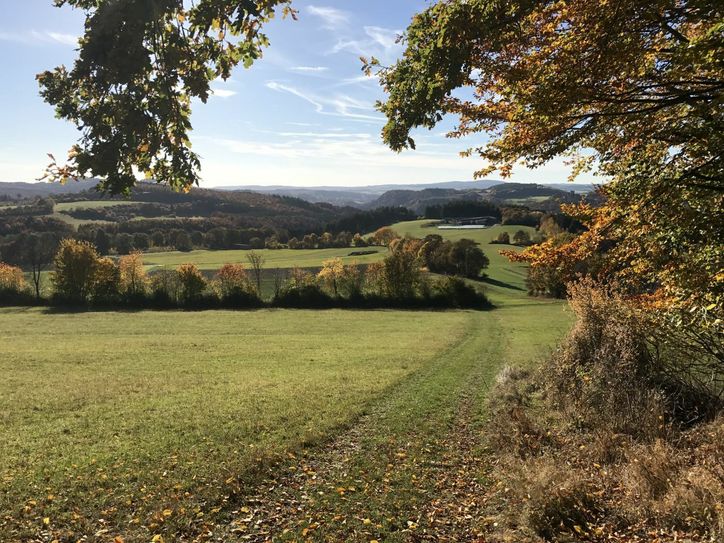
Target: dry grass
x: 591, y: 447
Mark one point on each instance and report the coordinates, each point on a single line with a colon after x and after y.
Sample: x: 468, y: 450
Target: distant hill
x: 21, y: 191
x: 368, y: 197
x: 535, y: 196
x: 360, y: 197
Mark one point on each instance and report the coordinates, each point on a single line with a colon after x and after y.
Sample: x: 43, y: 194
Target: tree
x: 256, y: 261
x: 384, y: 236
x: 232, y: 279
x: 521, y: 237
x: 331, y: 274
x: 102, y: 241
x: 182, y: 242
x: 39, y: 250
x: 75, y: 267
x: 105, y: 282
x: 191, y: 283
x: 639, y: 87
x: 400, y: 276
x: 12, y: 279
x: 137, y: 72
x: 158, y: 239
x: 141, y: 241
x: 503, y: 238
x: 467, y: 259
x: 124, y: 243
x: 133, y: 280
x: 358, y: 241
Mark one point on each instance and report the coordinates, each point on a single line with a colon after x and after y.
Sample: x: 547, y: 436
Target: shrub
x: 454, y: 292
x: 503, y: 238
x: 133, y: 280
x: 165, y: 287
x: 232, y: 279
x: 11, y: 279
x: 521, y: 237
x: 75, y: 266
x: 105, y: 283
x: 330, y: 275
x: 13, y: 287
x: 304, y: 296
x: 191, y: 283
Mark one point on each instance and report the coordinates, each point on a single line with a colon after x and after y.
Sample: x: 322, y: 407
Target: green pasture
x: 273, y: 258
x: 506, y: 280
x: 91, y: 204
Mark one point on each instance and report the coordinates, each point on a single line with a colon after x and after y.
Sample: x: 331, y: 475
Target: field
x: 277, y: 258
x: 250, y: 426
x: 90, y: 204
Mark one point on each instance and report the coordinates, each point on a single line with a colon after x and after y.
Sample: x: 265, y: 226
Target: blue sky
x: 303, y: 115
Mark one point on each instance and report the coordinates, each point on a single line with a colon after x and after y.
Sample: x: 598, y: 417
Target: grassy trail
x: 410, y: 470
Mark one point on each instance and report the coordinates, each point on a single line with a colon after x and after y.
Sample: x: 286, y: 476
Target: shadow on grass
x: 502, y: 284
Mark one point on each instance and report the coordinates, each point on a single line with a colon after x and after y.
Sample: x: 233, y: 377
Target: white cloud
x: 312, y: 69
x: 378, y: 42
x: 339, y: 105
x: 66, y: 39
x: 385, y: 37
x: 332, y: 17
x: 223, y: 93
x: 36, y: 37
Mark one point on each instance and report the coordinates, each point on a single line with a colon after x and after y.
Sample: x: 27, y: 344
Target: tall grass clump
x: 619, y: 435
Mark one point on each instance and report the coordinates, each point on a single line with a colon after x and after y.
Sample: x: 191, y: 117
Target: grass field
x: 90, y: 204
x: 278, y: 258
x: 506, y: 280
x: 264, y: 425
x: 148, y: 419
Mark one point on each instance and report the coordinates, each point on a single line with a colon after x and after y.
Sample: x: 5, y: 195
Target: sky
x: 303, y: 115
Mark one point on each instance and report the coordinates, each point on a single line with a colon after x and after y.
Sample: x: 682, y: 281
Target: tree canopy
x: 632, y: 89
x: 139, y: 65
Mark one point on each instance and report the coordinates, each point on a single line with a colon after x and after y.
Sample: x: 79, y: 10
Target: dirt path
x: 408, y: 471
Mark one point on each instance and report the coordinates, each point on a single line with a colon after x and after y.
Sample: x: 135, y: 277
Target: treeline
x: 456, y: 209
x: 39, y: 206
x: 83, y: 277
x: 368, y: 221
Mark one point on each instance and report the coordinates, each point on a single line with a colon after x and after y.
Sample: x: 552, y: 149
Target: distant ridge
x: 367, y: 196
x: 23, y: 190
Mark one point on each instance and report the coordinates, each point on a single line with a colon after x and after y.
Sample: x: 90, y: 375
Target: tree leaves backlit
x: 634, y: 89
x: 140, y: 64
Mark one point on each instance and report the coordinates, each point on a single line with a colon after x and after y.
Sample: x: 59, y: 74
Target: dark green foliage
x: 369, y: 221
x: 462, y: 257
x: 463, y: 208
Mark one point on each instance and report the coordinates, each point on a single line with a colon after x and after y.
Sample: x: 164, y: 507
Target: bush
x: 133, y: 281
x: 13, y: 287
x: 191, y: 284
x: 75, y: 267
x: 521, y: 237
x: 304, y: 296
x: 106, y: 281
x: 454, y: 292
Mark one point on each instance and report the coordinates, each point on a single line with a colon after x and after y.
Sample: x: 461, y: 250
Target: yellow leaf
x: 46, y: 520
x: 167, y: 512
x: 157, y: 539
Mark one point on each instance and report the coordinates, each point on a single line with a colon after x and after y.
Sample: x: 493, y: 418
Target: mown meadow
x: 171, y: 424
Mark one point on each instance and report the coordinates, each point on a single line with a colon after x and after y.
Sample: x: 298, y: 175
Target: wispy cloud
x: 310, y: 69
x: 339, y: 105
x: 332, y: 17
x: 378, y: 41
x: 337, y: 150
x: 223, y: 93
x: 35, y: 37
